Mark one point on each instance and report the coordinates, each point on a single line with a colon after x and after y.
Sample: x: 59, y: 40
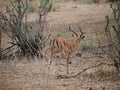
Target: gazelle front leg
x: 68, y: 57
x: 50, y: 60
x: 58, y: 59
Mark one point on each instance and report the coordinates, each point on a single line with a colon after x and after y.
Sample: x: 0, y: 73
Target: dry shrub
x: 14, y: 23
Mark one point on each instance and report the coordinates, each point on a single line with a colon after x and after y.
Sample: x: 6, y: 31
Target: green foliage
x: 107, y: 22
x: 31, y: 8
x: 19, y: 7
x: 46, y: 5
x: 118, y: 8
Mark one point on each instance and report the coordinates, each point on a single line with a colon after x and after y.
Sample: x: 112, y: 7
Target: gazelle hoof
x: 70, y: 62
x: 49, y: 63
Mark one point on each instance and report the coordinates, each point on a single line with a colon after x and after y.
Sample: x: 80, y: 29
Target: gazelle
x: 61, y: 45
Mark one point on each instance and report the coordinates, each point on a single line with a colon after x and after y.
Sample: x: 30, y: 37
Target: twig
x: 47, y: 38
x: 114, y: 29
x: 8, y: 48
x: 12, y: 3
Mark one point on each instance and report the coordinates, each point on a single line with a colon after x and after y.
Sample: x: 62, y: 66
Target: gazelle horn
x: 81, y: 31
x: 73, y: 31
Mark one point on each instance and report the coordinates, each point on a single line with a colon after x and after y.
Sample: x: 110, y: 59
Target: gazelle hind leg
x: 54, y: 52
x: 58, y: 59
x: 50, y: 59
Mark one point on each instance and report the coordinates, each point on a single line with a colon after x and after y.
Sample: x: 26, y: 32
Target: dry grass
x: 24, y: 75
x: 35, y: 74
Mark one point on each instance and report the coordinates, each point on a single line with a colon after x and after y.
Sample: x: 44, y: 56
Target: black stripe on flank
x: 57, y: 44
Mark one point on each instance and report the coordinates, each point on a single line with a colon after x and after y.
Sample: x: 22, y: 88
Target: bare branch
x: 12, y: 3
x: 8, y: 48
x: 114, y: 28
x: 47, y: 38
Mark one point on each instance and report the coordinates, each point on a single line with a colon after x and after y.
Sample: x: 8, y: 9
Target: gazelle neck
x: 75, y: 43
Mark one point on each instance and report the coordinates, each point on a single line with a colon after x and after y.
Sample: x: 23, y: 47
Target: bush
x: 15, y: 19
x: 113, y: 35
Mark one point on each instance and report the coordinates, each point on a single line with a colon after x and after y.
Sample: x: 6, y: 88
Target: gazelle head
x: 79, y: 37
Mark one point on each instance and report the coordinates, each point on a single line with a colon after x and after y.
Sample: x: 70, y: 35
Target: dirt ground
x: 36, y: 74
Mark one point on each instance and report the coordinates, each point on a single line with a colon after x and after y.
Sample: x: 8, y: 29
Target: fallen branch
x: 72, y: 76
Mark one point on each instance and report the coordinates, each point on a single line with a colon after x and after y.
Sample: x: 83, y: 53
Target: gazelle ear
x: 82, y: 36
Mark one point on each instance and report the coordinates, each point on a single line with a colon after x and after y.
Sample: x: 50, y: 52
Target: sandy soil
x: 36, y: 74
